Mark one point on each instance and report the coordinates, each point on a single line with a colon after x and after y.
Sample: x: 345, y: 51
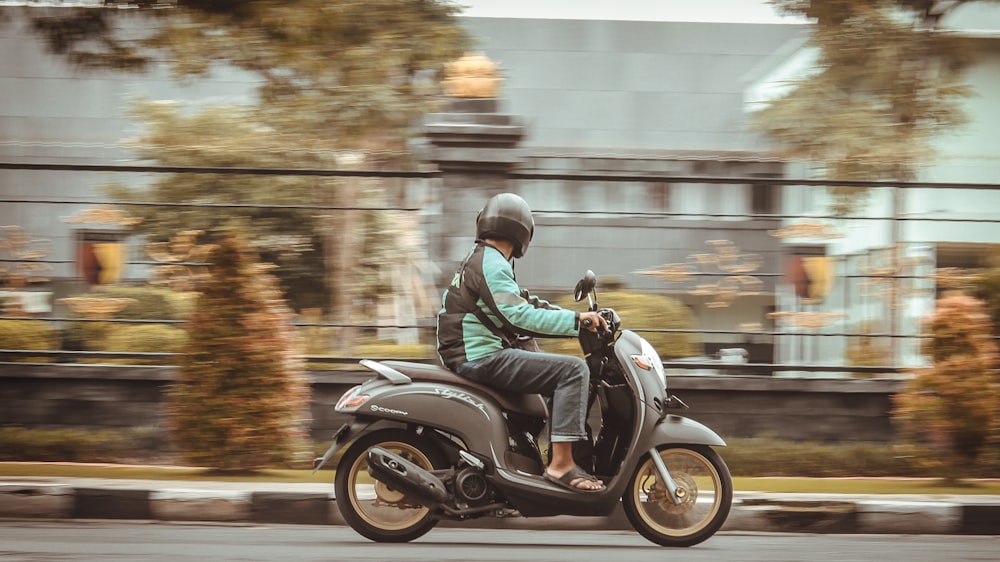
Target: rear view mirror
x: 585, y: 286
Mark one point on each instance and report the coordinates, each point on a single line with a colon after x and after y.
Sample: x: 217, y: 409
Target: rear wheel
x: 374, y: 509
x: 705, y: 489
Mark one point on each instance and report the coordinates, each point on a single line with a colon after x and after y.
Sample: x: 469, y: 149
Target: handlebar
x: 595, y: 344
x: 587, y: 324
x: 610, y: 316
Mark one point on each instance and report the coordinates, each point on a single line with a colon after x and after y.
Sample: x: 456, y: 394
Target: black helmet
x: 507, y: 216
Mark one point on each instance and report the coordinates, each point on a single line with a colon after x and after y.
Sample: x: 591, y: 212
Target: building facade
x: 614, y: 99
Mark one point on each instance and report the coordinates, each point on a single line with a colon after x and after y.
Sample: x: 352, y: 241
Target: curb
x: 754, y: 514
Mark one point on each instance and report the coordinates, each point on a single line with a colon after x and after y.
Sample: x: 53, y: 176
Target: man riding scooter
x: 483, y: 314
x: 426, y: 444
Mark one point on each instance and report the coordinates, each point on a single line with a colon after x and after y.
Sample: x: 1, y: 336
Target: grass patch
x: 741, y: 484
x: 125, y: 472
x: 854, y: 486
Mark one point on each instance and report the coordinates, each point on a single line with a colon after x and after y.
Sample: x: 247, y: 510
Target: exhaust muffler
x: 406, y: 477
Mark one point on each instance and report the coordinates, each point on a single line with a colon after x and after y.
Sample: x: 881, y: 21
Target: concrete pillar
x: 475, y: 147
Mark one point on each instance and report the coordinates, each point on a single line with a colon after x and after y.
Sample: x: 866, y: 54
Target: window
x: 101, y: 255
x: 764, y: 199
x: 811, y: 272
x: 659, y: 196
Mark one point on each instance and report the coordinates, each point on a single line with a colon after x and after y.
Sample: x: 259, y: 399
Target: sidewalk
x: 314, y: 504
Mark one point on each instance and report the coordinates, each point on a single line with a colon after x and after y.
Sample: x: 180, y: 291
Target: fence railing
x: 772, y: 330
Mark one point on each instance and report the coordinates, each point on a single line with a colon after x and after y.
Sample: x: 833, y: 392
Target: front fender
x: 678, y: 429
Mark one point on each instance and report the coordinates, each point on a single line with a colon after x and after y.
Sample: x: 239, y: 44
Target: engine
x: 471, y: 487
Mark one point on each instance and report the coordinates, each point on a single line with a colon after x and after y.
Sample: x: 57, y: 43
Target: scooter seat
x: 533, y: 405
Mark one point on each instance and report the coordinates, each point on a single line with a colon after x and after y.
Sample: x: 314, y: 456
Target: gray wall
x: 51, y: 112
x: 591, y: 84
x: 613, y: 227
x: 116, y: 397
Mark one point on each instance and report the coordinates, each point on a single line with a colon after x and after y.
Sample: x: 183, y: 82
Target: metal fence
x: 792, y: 318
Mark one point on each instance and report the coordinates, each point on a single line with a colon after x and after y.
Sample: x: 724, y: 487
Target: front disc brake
x: 687, y: 491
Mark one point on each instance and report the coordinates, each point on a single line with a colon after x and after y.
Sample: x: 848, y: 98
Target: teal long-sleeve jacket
x: 487, y: 282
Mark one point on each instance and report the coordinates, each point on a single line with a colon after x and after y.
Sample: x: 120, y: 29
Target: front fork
x: 675, y: 492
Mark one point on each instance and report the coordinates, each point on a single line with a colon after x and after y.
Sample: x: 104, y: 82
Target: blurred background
x: 778, y: 189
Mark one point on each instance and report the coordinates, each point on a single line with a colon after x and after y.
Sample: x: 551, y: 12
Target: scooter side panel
x: 476, y: 419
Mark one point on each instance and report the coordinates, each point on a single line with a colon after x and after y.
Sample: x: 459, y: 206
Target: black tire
x: 372, y: 508
x: 708, y: 495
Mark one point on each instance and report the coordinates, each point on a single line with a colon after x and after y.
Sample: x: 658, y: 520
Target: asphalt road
x: 158, y: 541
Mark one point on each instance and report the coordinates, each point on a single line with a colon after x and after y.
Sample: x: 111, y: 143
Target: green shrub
x: 775, y: 457
x: 28, y: 335
x: 149, y: 303
x: 316, y: 340
x: 145, y: 338
x: 756, y: 457
x: 410, y: 352
x: 76, y: 445
x: 395, y: 351
x: 640, y: 311
x: 868, y: 351
x: 240, y: 401
x: 953, y: 407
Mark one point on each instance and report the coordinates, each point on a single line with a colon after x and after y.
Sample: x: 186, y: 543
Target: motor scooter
x: 424, y: 445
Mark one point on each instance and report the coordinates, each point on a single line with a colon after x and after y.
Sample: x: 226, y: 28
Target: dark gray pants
x: 563, y: 377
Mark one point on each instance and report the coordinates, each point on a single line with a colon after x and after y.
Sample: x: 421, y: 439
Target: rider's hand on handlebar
x: 593, y: 321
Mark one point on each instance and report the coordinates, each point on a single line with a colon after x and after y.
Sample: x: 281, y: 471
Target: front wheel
x: 374, y: 509
x: 705, y: 488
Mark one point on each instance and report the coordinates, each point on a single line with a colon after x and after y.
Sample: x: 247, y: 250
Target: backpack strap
x: 471, y: 303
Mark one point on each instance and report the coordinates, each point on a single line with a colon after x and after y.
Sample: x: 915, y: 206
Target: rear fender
x: 348, y: 433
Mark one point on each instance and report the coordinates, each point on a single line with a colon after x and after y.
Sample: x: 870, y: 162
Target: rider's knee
x: 577, y: 368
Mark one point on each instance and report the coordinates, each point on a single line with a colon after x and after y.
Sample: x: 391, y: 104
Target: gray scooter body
x: 423, y: 397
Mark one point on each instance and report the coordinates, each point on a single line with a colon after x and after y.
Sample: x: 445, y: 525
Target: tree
x: 954, y: 405
x: 345, y: 78
x: 241, y: 398
x: 342, y: 73
x: 290, y: 238
x: 884, y: 87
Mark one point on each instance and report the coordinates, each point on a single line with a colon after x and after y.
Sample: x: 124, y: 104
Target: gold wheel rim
x: 383, y: 509
x: 700, y: 482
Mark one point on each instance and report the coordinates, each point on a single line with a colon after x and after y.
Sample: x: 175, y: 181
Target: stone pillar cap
x: 472, y: 76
